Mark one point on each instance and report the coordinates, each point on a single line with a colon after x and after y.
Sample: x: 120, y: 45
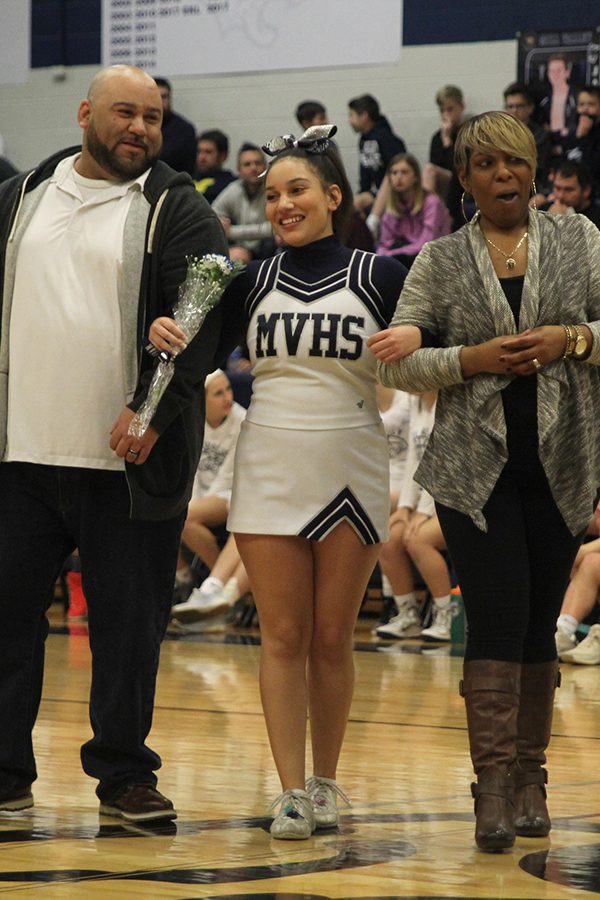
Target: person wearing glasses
x: 520, y: 103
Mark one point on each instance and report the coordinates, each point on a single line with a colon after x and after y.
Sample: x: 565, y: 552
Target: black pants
x: 512, y: 577
x: 128, y: 573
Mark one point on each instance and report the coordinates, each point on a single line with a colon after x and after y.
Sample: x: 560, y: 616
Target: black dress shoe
x: 139, y: 803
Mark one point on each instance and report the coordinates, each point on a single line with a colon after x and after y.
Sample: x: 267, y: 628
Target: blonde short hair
x: 449, y: 92
x: 495, y: 131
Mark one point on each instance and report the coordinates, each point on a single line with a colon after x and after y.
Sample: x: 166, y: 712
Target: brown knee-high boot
x: 538, y: 684
x: 491, y: 691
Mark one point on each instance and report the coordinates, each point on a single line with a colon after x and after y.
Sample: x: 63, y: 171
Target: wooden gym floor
x: 409, y: 833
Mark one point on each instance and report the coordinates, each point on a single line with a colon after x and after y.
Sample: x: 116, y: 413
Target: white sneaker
x: 201, y: 604
x: 587, y: 653
x: 214, y: 625
x: 564, y: 642
x: 439, y: 630
x: 295, y: 820
x: 405, y: 625
x: 323, y: 793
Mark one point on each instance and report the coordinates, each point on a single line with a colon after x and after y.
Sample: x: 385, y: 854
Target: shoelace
x: 291, y: 801
x: 320, y: 786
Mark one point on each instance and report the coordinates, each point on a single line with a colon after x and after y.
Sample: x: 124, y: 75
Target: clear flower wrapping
x: 206, y: 279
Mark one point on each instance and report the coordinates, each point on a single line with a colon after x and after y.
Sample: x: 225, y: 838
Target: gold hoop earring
x: 533, y: 193
x: 475, y: 215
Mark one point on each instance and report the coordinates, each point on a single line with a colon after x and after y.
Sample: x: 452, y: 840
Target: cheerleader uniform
x: 312, y: 451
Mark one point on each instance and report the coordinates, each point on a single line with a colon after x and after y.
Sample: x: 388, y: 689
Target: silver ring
x: 536, y: 363
x: 133, y: 452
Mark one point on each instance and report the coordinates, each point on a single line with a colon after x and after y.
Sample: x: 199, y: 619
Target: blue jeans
x: 128, y: 571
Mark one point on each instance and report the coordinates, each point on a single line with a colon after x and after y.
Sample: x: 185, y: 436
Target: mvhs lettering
x: 327, y: 334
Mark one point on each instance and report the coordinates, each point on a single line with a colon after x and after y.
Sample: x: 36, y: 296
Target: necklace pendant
x: 510, y: 263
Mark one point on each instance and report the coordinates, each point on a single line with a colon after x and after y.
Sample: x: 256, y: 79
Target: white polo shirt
x: 66, y: 384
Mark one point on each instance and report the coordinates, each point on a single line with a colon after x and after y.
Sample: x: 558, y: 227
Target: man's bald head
x: 105, y: 78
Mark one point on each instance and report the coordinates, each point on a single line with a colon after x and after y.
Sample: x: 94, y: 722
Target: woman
x: 513, y: 301
x: 311, y: 492
x: 413, y: 216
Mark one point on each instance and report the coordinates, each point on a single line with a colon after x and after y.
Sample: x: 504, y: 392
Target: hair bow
x: 314, y: 140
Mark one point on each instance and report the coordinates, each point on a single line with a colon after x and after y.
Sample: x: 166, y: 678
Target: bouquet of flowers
x: 205, y: 281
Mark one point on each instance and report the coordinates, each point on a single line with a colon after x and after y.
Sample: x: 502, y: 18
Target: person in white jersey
x: 93, y: 246
x: 310, y: 502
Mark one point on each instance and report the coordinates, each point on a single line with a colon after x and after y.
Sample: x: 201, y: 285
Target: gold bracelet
x: 571, y: 341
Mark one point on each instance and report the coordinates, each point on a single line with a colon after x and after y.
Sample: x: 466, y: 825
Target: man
x: 438, y: 172
x: 211, y: 177
x: 584, y: 146
x: 241, y: 208
x: 377, y: 145
x: 310, y: 112
x: 519, y: 102
x: 573, y: 192
x: 88, y: 258
x: 179, y: 135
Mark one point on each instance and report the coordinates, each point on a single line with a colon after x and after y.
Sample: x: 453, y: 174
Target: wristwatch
x: 581, y: 348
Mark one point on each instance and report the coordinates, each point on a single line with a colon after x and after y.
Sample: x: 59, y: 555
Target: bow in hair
x: 314, y: 140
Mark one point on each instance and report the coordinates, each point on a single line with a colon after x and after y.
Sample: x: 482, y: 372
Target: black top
x: 519, y: 398
x: 179, y: 143
x: 442, y: 156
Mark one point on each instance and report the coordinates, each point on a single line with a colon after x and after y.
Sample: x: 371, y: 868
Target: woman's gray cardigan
x: 453, y: 291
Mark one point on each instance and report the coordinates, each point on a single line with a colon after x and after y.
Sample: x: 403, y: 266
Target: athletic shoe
x: 201, y: 604
x: 440, y: 628
x: 295, y: 820
x: 405, y: 625
x: 215, y: 625
x: 564, y: 641
x: 587, y: 653
x: 323, y: 793
x: 77, y: 602
x: 14, y: 801
x: 139, y: 803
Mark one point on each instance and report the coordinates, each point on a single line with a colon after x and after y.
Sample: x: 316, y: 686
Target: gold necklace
x: 510, y: 257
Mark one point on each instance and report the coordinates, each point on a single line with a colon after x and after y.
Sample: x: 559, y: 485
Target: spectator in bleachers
x: 179, y: 136
x: 580, y: 599
x: 584, y: 146
x: 241, y: 208
x: 438, y: 171
x: 519, y: 102
x: 377, y: 145
x: 212, y: 152
x: 415, y: 532
x: 413, y: 215
x: 311, y: 112
x: 572, y: 192
x: 211, y: 493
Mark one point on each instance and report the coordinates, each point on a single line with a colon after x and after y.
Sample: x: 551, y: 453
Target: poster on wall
x: 202, y: 37
x: 15, y: 42
x: 554, y: 65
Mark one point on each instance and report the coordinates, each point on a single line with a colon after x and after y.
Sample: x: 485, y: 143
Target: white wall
x: 39, y: 117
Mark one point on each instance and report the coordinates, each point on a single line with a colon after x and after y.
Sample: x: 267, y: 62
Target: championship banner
x: 202, y: 37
